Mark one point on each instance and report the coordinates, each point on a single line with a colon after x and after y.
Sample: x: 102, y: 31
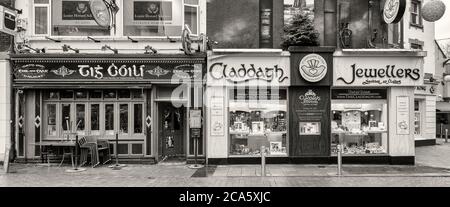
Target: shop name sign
x: 107, y: 71
x: 247, y: 72
x: 389, y: 75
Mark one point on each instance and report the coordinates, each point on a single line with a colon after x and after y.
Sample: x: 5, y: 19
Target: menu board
x: 195, y: 119
x: 403, y: 120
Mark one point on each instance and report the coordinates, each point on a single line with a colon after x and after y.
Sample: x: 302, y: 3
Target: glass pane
x: 74, y: 18
x: 95, y: 117
x: 152, y: 18
x: 81, y: 94
x: 417, y: 123
x: 360, y: 128
x: 51, y: 95
x: 95, y: 94
x: 137, y: 94
x: 193, y: 2
x: 81, y: 118
x: 124, y: 118
x: 138, y: 118
x: 66, y: 121
x: 40, y: 22
x: 67, y: 94
x: 109, y: 119
x: 51, y: 117
x: 190, y: 18
x: 110, y: 94
x: 41, y: 1
x: 124, y: 94
x: 258, y: 119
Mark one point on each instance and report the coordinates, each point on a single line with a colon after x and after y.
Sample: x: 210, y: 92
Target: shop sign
x: 76, y: 10
x: 313, y: 68
x: 358, y: 94
x: 373, y: 71
x: 425, y: 90
x: 111, y: 71
x: 309, y: 98
x: 195, y: 120
x: 247, y: 72
x: 152, y: 10
x: 393, y: 11
x: 403, y: 116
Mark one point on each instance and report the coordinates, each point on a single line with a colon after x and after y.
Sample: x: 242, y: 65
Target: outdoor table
x: 60, y: 144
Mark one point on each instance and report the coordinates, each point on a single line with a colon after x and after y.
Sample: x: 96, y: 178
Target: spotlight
x: 66, y: 48
x: 107, y: 47
x: 149, y: 48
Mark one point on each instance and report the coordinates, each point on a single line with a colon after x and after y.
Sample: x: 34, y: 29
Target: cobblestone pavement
x: 432, y: 169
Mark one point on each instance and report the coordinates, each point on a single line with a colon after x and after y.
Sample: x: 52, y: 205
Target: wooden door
x: 171, y: 131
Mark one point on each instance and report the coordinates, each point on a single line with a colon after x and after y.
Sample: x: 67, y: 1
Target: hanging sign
x: 393, y: 11
x: 101, y: 13
x: 7, y: 20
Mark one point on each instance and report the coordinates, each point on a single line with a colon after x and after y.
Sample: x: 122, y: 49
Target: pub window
x: 95, y: 119
x: 416, y: 13
x: 137, y: 94
x: 95, y: 94
x: 110, y: 94
x: 124, y: 94
x: 41, y: 17
x: 81, y: 94
x: 138, y: 118
x: 123, y: 120
x: 66, y: 94
x: 51, y: 120
x: 74, y: 18
x: 109, y: 119
x: 51, y: 95
x: 159, y: 18
x: 65, y: 117
x: 81, y: 118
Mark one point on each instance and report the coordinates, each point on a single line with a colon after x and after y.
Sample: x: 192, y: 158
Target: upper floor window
x: 416, y: 13
x: 140, y: 18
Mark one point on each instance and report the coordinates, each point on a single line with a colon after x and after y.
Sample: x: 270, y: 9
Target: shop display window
x: 258, y: 120
x: 360, y: 126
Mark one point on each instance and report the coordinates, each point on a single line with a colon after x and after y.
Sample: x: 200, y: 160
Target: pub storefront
x: 144, y: 99
x: 372, y: 106
x: 247, y: 106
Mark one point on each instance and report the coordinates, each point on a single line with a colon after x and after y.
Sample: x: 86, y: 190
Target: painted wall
x: 5, y: 105
x: 400, y: 145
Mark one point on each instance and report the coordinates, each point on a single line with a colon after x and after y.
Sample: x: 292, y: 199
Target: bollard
x: 339, y: 148
x: 446, y: 135
x: 442, y: 131
x: 263, y: 161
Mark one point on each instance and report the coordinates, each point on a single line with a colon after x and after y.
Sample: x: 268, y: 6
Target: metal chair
x: 87, y: 148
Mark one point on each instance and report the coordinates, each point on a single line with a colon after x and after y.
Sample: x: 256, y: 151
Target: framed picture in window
x: 276, y: 148
x: 310, y: 128
x: 258, y: 127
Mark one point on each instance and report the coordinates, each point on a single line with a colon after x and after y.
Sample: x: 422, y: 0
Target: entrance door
x: 171, y: 125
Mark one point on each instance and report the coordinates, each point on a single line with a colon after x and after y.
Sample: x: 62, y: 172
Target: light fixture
x: 66, y: 48
x: 149, y: 48
x: 171, y: 40
x: 36, y: 50
x: 96, y: 41
x: 132, y: 40
x: 107, y: 47
x: 54, y: 40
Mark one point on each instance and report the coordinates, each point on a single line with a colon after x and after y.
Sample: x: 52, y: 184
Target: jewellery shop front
x: 247, y: 106
x: 373, y: 105
x: 145, y: 99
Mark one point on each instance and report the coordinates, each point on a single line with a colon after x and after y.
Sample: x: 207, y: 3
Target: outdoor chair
x: 87, y: 148
x: 96, y: 147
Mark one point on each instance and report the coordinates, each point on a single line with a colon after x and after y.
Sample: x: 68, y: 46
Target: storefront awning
x: 442, y: 106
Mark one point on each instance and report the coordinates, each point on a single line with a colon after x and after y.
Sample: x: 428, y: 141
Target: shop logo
x: 391, y: 75
x: 246, y: 73
x: 158, y: 71
x: 82, y: 8
x: 394, y: 10
x: 63, y: 71
x: 310, y: 98
x: 313, y: 68
x: 153, y: 9
x: 31, y: 71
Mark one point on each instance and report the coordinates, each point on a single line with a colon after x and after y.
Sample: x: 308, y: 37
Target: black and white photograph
x: 224, y: 93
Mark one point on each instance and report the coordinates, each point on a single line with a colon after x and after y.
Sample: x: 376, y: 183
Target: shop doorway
x: 171, y: 132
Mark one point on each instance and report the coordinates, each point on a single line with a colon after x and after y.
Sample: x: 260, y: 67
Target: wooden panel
x: 400, y: 145
x: 148, y: 128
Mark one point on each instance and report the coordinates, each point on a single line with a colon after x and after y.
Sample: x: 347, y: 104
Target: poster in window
x: 309, y: 128
x: 403, y: 120
x: 152, y: 11
x: 276, y: 148
x: 76, y: 10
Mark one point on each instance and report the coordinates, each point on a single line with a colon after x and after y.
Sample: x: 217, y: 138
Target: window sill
x: 104, y: 38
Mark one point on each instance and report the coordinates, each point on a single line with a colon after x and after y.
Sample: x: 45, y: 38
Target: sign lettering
x: 247, y: 73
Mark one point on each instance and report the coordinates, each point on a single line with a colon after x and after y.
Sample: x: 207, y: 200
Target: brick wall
x: 5, y: 39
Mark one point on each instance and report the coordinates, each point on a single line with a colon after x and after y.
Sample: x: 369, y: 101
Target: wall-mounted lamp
x: 149, y: 48
x: 54, y: 40
x: 36, y: 50
x: 107, y: 47
x: 132, y: 40
x: 66, y: 48
x: 96, y: 41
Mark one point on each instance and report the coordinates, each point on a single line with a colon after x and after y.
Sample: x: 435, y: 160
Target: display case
x: 360, y: 128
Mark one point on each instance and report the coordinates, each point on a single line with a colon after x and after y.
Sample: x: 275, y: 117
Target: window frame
x: 418, y: 14
x: 119, y: 23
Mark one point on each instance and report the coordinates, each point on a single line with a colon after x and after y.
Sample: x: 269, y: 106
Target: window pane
x: 81, y: 118
x: 51, y: 95
x: 138, y: 118
x: 124, y: 94
x: 51, y: 116
x: 74, y: 18
x: 67, y: 94
x: 152, y: 18
x: 417, y: 123
x: 95, y: 94
x: 109, y: 119
x: 124, y: 118
x: 81, y: 94
x: 190, y: 18
x: 66, y: 121
x: 95, y: 117
x: 41, y: 1
x: 138, y: 94
x: 194, y: 2
x: 110, y: 94
x: 40, y: 23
